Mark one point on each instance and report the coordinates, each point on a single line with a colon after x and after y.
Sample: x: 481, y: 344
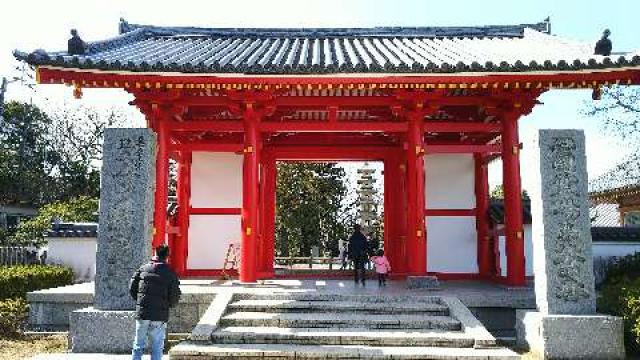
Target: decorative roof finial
x: 547, y: 21
x: 123, y: 26
x: 604, y: 46
x: 75, y: 45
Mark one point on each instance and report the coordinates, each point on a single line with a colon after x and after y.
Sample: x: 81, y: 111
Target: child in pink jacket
x: 382, y: 267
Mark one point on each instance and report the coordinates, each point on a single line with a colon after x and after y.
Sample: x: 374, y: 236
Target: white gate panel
x: 209, y: 238
x: 450, y: 181
x: 452, y: 244
x: 216, y: 180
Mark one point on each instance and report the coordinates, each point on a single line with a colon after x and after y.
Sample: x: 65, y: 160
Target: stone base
x: 101, y: 331
x: 570, y: 336
x: 423, y: 282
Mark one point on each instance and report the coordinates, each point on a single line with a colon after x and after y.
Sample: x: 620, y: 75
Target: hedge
x: 16, y: 281
x: 13, y: 315
x: 620, y: 296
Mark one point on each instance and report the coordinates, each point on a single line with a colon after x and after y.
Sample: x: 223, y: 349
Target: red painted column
x: 162, y: 182
x: 184, y: 200
x: 250, y: 197
x: 416, y: 243
x: 514, y: 233
x: 482, y: 214
x: 269, y: 215
x: 394, y: 211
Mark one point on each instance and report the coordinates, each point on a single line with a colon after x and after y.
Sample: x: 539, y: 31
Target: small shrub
x: 628, y: 266
x: 620, y: 296
x: 16, y: 281
x: 13, y: 315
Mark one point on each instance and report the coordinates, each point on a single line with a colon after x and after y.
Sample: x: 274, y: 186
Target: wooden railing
x: 18, y: 255
x: 310, y: 260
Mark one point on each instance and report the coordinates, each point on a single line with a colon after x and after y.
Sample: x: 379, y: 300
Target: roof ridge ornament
x: 123, y: 26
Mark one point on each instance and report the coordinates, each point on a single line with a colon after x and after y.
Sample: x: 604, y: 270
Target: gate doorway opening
x: 317, y: 205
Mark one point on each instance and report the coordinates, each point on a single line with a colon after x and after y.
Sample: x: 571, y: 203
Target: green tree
x: 31, y: 232
x: 309, y: 208
x: 498, y: 193
x: 26, y: 155
x: 50, y: 158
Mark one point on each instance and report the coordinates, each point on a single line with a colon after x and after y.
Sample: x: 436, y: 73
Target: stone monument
x: 566, y: 325
x: 368, y: 212
x: 124, y: 241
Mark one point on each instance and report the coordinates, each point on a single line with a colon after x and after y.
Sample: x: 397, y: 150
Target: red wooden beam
x: 460, y: 149
x: 340, y: 126
x: 133, y: 80
x: 463, y: 127
x: 214, y: 211
x: 207, y: 125
x: 214, y: 147
x: 450, y: 212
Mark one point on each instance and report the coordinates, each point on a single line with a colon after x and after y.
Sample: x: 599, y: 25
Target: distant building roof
x: 605, y: 215
x: 73, y: 230
x: 622, y: 180
x: 508, y: 48
x: 615, y: 234
x: 496, y: 211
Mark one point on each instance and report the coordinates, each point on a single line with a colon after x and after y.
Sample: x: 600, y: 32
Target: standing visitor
x: 372, y: 249
x: 343, y: 256
x: 382, y: 267
x: 156, y: 288
x: 358, y: 253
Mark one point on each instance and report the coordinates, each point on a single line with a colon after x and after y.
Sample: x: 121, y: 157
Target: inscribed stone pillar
x: 126, y: 214
x: 561, y: 231
x: 566, y: 325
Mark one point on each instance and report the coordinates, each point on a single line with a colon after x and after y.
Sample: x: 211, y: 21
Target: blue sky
x: 46, y: 24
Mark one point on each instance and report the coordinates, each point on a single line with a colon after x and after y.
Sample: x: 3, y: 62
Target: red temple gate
x: 384, y: 94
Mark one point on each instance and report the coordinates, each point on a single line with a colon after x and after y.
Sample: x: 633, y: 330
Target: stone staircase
x: 339, y: 326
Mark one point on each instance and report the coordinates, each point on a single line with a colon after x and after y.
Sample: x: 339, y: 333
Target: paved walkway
x: 64, y: 356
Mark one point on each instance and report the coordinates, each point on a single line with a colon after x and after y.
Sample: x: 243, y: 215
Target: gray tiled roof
x: 615, y: 234
x: 73, y: 230
x: 604, y: 215
x: 496, y: 211
x: 527, y: 47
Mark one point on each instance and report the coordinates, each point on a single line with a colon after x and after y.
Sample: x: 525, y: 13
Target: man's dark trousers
x: 358, y: 268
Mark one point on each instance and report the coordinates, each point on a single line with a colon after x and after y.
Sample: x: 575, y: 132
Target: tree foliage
x: 46, y: 158
x: 309, y: 208
x: 619, y: 110
x: 31, y: 232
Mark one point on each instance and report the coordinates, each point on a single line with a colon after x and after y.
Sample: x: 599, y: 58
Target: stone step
x: 198, y: 351
x: 340, y: 336
x: 325, y: 320
x: 274, y: 305
x: 360, y: 298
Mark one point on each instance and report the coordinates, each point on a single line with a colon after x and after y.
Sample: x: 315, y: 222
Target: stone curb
x: 469, y: 323
x: 209, y: 321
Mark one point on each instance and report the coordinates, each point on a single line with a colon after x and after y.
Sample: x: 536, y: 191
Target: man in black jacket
x: 156, y: 288
x: 358, y: 253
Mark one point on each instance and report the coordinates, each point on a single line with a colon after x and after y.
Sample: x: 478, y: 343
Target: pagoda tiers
x: 434, y: 104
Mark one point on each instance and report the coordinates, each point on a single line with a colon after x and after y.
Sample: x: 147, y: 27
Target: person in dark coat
x: 156, y: 288
x: 358, y: 253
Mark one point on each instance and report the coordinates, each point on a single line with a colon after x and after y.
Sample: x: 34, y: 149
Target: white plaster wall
x: 528, y: 252
x: 209, y: 239
x: 452, y: 244
x: 617, y: 249
x: 450, y: 181
x: 77, y: 253
x: 216, y: 180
